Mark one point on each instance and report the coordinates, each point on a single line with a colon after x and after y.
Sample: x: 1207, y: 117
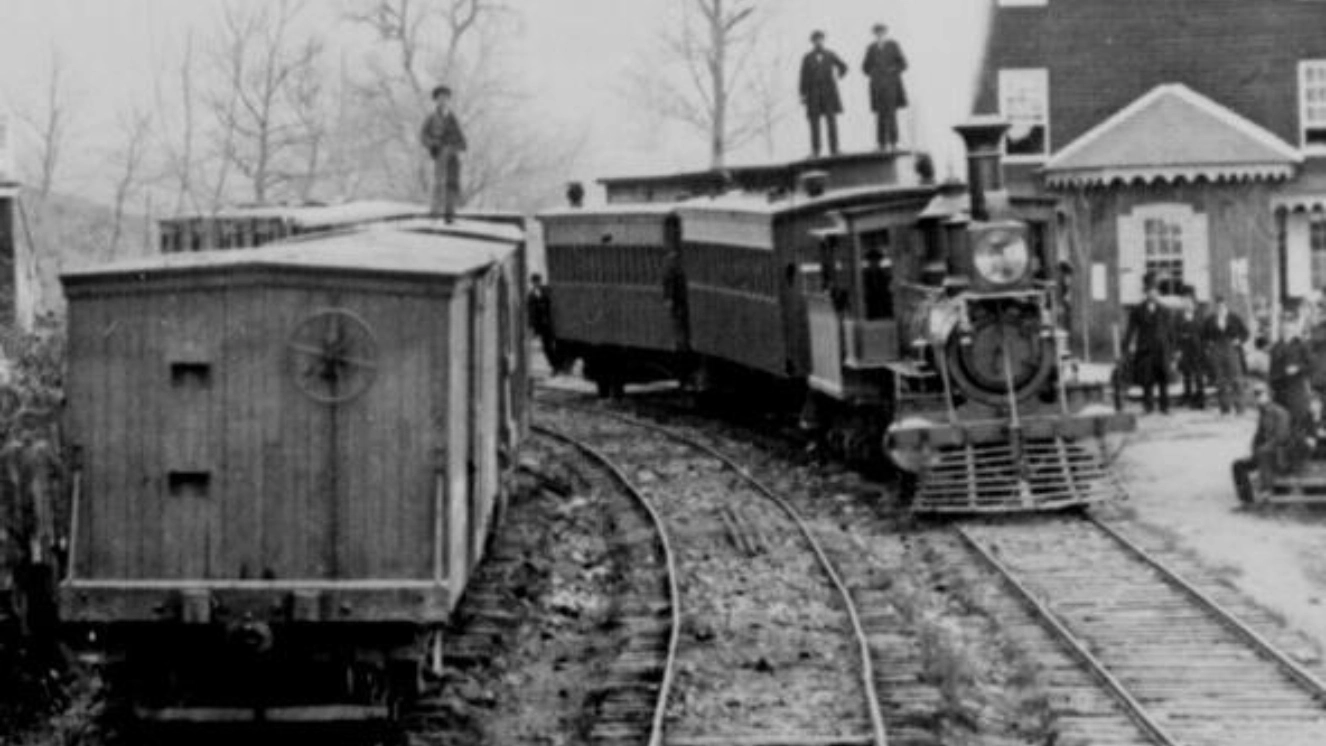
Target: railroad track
x: 630, y: 702
x: 1184, y: 669
x: 751, y: 573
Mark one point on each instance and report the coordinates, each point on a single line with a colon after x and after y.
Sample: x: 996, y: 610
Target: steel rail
x: 674, y: 594
x: 1134, y: 708
x: 1294, y: 671
x: 879, y: 734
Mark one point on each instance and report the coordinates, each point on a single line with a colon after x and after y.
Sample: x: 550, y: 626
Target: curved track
x: 633, y: 697
x: 752, y: 535
x: 1185, y: 669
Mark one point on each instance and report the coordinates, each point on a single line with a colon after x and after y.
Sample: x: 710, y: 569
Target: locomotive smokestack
x: 984, y: 138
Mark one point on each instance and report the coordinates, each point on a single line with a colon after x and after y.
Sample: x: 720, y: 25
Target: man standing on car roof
x: 820, y: 70
x: 884, y: 65
x: 441, y: 136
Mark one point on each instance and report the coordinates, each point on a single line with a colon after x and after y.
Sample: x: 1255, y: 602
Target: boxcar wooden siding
x: 738, y: 327
x: 597, y: 314
x: 611, y: 264
x: 610, y: 295
x: 732, y: 268
x: 747, y: 229
x: 204, y: 460
x: 610, y: 228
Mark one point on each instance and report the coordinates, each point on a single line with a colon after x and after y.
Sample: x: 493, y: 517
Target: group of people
x: 1290, y: 426
x: 883, y: 65
x: 1200, y: 348
x: 1162, y: 344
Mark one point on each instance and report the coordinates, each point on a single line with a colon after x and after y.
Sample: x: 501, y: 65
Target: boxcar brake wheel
x: 333, y: 355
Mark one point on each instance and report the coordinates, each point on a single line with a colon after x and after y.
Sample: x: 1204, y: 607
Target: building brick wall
x: 1103, y: 54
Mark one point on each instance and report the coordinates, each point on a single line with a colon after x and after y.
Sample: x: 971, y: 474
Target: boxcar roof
x: 613, y: 209
x: 429, y: 251
x: 759, y: 204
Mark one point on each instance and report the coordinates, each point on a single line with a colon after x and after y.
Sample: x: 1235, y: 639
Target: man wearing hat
x: 820, y: 70
x: 884, y: 65
x: 442, y: 138
x: 1270, y: 446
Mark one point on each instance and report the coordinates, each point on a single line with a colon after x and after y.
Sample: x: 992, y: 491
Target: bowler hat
x: 817, y: 36
x: 879, y: 28
x: 441, y: 90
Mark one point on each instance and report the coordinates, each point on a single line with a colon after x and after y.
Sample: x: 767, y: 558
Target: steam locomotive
x: 919, y: 321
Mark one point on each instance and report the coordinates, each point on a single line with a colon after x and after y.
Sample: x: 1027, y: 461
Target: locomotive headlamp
x: 1001, y: 255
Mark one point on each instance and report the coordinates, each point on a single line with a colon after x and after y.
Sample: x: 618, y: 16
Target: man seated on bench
x: 1270, y: 447
x: 1312, y: 441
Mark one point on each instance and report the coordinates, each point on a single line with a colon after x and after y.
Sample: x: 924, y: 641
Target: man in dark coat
x: 442, y: 138
x: 884, y: 65
x: 1223, y: 335
x: 820, y: 70
x: 1270, y: 446
x: 1192, y: 355
x: 1291, y: 367
x: 1150, y: 346
x: 539, y: 306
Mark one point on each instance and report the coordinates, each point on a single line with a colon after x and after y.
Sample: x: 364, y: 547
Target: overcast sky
x: 572, y: 55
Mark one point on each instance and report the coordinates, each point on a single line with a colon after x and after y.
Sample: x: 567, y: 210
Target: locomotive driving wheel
x: 333, y: 355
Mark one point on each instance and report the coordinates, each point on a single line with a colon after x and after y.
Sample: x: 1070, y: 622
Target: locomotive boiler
x: 920, y: 322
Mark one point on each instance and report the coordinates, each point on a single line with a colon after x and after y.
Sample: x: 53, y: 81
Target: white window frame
x: 1194, y: 237
x: 1311, y: 117
x: 1020, y: 79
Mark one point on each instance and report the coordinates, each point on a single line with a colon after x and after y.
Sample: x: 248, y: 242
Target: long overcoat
x: 1151, y: 337
x: 884, y: 65
x: 820, y: 70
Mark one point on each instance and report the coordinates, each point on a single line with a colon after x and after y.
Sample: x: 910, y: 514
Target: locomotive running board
x: 1050, y: 474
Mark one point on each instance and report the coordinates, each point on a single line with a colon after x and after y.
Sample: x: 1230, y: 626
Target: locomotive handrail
x: 878, y: 732
x: 674, y: 593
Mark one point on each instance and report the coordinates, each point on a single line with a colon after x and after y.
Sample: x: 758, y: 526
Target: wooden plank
x: 459, y: 445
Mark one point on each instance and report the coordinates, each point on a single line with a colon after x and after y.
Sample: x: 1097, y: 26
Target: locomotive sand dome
x: 291, y: 457
x: 919, y: 322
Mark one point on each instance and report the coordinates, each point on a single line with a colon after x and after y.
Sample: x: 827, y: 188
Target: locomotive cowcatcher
x: 290, y: 458
x: 921, y: 323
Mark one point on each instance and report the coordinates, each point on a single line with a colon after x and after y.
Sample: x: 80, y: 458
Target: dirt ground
x: 1177, y: 469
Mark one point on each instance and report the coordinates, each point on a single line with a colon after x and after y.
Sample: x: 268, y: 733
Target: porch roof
x: 1307, y: 193
x: 1173, y: 133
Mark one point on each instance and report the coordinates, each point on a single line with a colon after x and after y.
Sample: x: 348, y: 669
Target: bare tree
x: 460, y: 42
x: 706, y: 72
x: 267, y: 96
x: 176, y: 100
x: 136, y: 126
x: 49, y: 122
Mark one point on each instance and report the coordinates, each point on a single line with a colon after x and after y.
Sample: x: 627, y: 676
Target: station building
x: 1183, y: 139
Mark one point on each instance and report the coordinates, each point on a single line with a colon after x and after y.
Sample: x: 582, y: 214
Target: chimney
x: 984, y: 139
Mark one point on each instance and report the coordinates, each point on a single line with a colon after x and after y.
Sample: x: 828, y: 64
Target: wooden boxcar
x: 290, y: 458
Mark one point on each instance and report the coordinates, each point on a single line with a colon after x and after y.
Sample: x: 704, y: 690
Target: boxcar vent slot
x: 188, y: 483
x: 190, y: 375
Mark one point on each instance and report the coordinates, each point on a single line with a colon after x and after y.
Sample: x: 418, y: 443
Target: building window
x: 1317, y: 242
x: 1164, y: 254
x: 1312, y: 103
x: 1024, y: 100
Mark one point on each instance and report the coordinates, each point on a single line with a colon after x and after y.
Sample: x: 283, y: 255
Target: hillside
x: 67, y: 231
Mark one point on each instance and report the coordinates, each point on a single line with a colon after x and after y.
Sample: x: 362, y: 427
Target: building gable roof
x: 1173, y: 133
